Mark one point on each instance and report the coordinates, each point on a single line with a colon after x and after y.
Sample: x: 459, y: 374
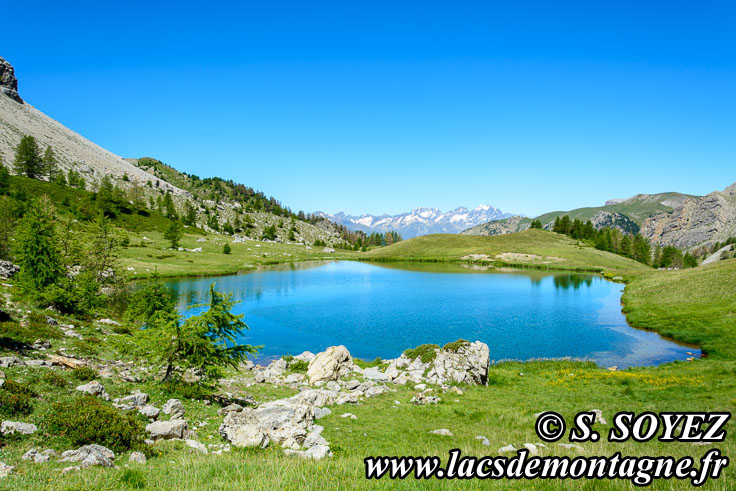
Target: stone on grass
x: 5, y: 469
x: 507, y: 448
x: 352, y: 384
x: 89, y: 455
x: 166, y: 430
x: 321, y: 412
x: 137, y: 457
x: 483, y: 440
x: 198, y: 446
x: 37, y: 456
x: 317, y: 452
x: 149, y: 411
x: 175, y: 408
x: 94, y: 388
x: 11, y: 427
x: 330, y: 364
x: 599, y: 416
x: 348, y: 415
x: 441, y: 432
x: 230, y: 408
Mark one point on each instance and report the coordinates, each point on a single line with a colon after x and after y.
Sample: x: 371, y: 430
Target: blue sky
x: 385, y: 106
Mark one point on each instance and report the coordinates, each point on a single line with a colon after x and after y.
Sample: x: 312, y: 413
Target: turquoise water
x: 381, y: 311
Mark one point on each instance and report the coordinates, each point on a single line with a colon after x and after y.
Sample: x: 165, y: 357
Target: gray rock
x: 11, y: 427
x: 37, y: 456
x: 8, y: 269
x: 420, y: 386
x: 10, y: 361
x: 166, y: 430
x: 51, y: 321
x: 483, y: 440
x: 333, y: 386
x: 317, y: 452
x: 507, y: 448
x: 441, y: 432
x: 198, y: 446
x: 305, y: 356
x: 294, y: 379
x: 468, y: 365
x: 108, y: 322
x: 330, y: 364
x: 321, y: 412
x: 348, y: 415
x: 375, y: 374
x: 259, y: 377
x: 375, y: 391
x: 136, y: 399
x: 5, y: 469
x: 317, y: 397
x: 94, y: 388
x: 149, y: 411
x: 352, y: 384
x: 349, y: 398
x: 90, y: 455
x: 231, y: 408
x: 137, y: 457
x: 599, y: 416
x: 423, y: 400
x: 8, y: 81
x: 175, y: 408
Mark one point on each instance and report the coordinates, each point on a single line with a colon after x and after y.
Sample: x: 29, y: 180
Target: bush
x: 424, y: 352
x: 28, y: 334
x: 87, y: 420
x: 226, y: 249
x: 84, y: 373
x: 53, y: 378
x: 16, y: 398
x: 456, y: 345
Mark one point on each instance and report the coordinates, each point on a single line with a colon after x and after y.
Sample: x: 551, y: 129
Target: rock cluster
x: 8, y: 269
x: 8, y: 82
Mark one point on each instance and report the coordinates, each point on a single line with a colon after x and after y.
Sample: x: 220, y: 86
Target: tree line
x: 613, y: 240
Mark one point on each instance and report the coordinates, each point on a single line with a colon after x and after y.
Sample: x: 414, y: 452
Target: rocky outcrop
x: 8, y: 82
x: 166, y: 430
x: 94, y: 388
x: 718, y: 255
x: 605, y: 219
x: 330, y: 364
x: 467, y: 364
x: 8, y: 269
x: 90, y: 455
x: 12, y: 427
x: 697, y: 221
x: 516, y: 223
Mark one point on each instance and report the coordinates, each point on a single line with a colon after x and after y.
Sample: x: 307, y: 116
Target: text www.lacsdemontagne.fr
x: 641, y: 471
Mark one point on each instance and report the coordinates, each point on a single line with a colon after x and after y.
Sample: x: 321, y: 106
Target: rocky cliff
x: 696, y: 221
x: 8, y: 82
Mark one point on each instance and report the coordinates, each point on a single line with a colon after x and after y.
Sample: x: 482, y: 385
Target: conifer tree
x: 50, y: 167
x: 28, y: 160
x: 36, y: 247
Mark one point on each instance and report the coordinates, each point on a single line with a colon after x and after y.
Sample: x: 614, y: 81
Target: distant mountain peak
x: 423, y: 220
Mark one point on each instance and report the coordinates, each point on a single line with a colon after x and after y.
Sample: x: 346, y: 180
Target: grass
x: 537, y: 249
x: 149, y: 252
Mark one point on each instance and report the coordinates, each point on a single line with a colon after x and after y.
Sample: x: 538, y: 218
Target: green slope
x: 546, y: 250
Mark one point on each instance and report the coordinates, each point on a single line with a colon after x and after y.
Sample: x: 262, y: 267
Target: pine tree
x: 206, y: 342
x: 36, y: 247
x: 226, y: 249
x: 4, y: 179
x: 28, y: 160
x: 174, y: 234
x: 50, y: 167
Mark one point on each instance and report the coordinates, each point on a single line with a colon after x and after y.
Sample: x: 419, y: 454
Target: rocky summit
x: 8, y: 82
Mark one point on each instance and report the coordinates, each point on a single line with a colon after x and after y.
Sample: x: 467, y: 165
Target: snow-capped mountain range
x: 422, y: 221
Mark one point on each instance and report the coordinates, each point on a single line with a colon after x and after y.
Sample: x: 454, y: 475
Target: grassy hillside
x: 81, y: 204
x: 531, y: 248
x: 693, y: 305
x: 149, y: 252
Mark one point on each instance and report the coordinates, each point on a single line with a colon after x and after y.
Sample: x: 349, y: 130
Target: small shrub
x: 53, y: 378
x: 226, y: 249
x: 455, y: 345
x: 425, y: 352
x: 84, y: 373
x: 299, y: 366
x: 28, y: 334
x: 184, y: 390
x: 16, y: 398
x: 87, y: 420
